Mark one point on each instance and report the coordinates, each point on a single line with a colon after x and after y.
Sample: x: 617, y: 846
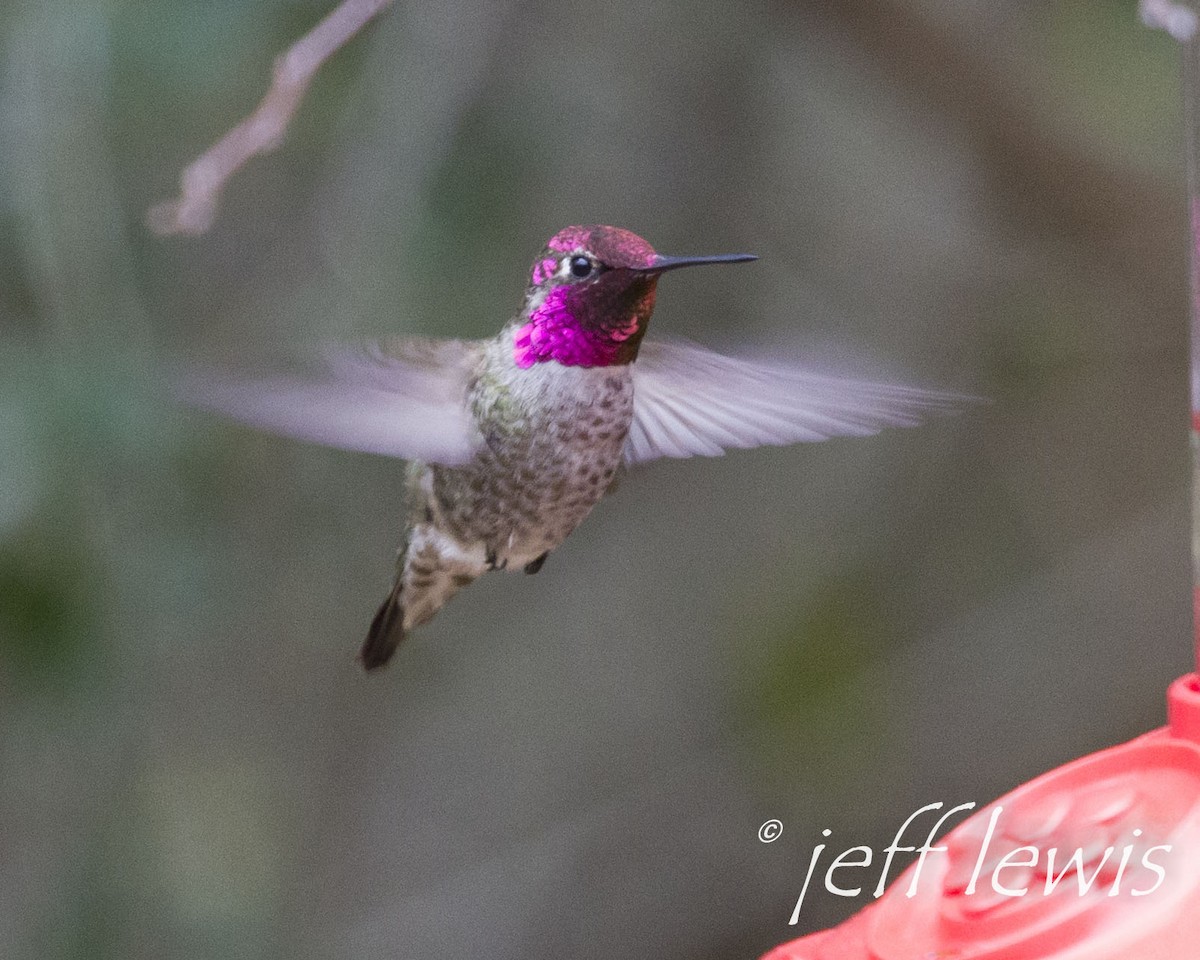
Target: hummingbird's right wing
x: 401, y: 398
x: 689, y: 401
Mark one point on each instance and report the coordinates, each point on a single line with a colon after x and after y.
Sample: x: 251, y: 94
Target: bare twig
x: 262, y: 131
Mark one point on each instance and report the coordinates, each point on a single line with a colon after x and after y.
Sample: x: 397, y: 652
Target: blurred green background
x: 982, y: 196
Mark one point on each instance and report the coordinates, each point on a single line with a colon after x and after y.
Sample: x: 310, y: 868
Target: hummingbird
x: 513, y: 440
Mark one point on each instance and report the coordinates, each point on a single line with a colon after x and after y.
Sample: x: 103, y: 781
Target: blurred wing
x: 403, y: 398
x: 688, y: 401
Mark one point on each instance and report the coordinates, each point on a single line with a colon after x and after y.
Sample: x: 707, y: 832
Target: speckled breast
x: 554, y: 437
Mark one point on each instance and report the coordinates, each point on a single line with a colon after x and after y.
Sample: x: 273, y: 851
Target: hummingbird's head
x: 590, y: 296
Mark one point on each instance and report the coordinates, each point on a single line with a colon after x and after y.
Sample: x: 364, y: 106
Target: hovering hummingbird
x: 513, y: 440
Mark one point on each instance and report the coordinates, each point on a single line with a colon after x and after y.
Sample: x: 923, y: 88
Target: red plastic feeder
x: 1098, y: 859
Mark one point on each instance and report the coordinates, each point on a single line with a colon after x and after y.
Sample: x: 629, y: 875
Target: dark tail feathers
x: 385, y: 634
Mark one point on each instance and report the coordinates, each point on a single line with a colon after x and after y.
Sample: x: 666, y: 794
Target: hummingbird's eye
x: 581, y: 266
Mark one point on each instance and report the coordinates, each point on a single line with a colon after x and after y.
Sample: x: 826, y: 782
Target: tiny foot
x: 533, y: 566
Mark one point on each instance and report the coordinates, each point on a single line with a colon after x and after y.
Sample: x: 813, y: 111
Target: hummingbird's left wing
x: 689, y: 401
x: 401, y: 398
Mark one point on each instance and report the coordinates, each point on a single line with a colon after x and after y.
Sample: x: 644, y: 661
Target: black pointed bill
x: 661, y: 264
